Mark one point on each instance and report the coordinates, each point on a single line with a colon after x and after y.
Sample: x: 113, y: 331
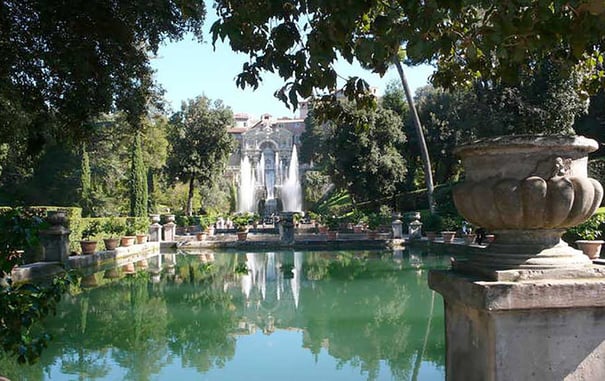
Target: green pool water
x: 333, y: 315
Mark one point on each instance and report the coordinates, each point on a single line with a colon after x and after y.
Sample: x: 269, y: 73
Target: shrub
x: 91, y: 230
x: 113, y: 226
x: 591, y: 229
x: 432, y: 223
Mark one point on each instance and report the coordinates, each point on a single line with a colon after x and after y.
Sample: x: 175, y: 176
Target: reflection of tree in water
x: 201, y: 316
x: 120, y: 317
x: 347, y: 317
x: 140, y: 347
x: 364, y: 309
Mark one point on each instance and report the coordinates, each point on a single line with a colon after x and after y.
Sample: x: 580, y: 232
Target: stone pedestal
x: 55, y: 240
x: 397, y: 228
x: 155, y: 232
x: 536, y: 329
x: 286, y: 227
x: 169, y: 231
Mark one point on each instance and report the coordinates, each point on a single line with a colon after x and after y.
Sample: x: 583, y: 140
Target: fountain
x: 291, y: 191
x: 268, y: 174
x: 247, y: 187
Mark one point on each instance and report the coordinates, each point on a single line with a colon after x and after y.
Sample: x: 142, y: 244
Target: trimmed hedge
x: 77, y: 224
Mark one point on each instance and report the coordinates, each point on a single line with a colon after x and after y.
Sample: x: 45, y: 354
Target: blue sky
x: 187, y: 68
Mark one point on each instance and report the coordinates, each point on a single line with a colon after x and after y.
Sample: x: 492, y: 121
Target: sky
x: 188, y: 68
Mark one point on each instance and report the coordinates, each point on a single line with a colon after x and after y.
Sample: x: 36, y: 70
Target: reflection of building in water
x: 271, y: 289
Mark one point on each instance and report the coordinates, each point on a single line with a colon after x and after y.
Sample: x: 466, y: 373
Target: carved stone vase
x: 527, y: 190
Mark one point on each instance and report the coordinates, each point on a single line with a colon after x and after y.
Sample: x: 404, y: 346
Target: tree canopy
x: 64, y: 62
x: 493, y: 40
x: 200, y: 144
x: 362, y: 150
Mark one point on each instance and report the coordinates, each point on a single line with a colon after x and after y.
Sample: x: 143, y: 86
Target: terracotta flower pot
x: 127, y: 240
x: 448, y: 236
x: 431, y: 236
x: 469, y: 239
x: 200, y: 236
x: 141, y: 238
x: 332, y: 234
x: 111, y: 243
x: 88, y: 247
x: 592, y: 248
x: 242, y: 236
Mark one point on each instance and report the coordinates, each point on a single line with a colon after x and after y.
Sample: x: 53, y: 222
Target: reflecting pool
x: 337, y: 315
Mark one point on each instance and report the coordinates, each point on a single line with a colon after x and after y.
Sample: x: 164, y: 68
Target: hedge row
x: 77, y: 224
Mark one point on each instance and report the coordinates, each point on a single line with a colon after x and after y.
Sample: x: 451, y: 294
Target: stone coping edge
x: 519, y: 295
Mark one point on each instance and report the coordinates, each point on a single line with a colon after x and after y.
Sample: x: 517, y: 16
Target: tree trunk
x: 189, y: 209
x: 424, y: 152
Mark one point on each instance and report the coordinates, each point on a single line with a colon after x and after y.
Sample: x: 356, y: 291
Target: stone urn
x: 527, y: 190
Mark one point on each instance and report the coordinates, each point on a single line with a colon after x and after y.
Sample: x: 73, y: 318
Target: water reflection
x: 343, y: 315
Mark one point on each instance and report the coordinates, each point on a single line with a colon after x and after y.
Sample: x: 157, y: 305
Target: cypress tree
x: 85, y: 183
x: 138, y: 181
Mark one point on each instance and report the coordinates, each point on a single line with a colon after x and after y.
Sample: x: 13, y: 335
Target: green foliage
x: 91, y: 229
x: 590, y: 229
x: 114, y: 226
x: 51, y: 177
x: 336, y: 202
x: 200, y: 144
x: 138, y: 181
x: 331, y: 221
x: 19, y: 230
x: 596, y: 169
x: 374, y: 220
x: 315, y: 185
x: 65, y: 62
x: 432, y: 223
x: 136, y: 225
x: 364, y: 150
x: 492, y: 41
x: 452, y: 222
x: 85, y: 184
x: 182, y: 220
x: 545, y: 102
x: 241, y: 221
x: 448, y: 118
x: 24, y: 306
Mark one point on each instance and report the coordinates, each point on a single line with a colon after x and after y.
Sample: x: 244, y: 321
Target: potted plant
x: 240, y: 222
x: 432, y: 224
x: 358, y: 220
x: 87, y: 243
x: 450, y: 226
x: 374, y: 222
x: 201, y: 234
x: 141, y: 228
x: 332, y: 222
x: 297, y: 217
x: 129, y: 237
x: 114, y: 228
x: 586, y: 235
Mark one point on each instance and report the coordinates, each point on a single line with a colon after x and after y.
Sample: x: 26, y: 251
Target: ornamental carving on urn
x: 527, y: 182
